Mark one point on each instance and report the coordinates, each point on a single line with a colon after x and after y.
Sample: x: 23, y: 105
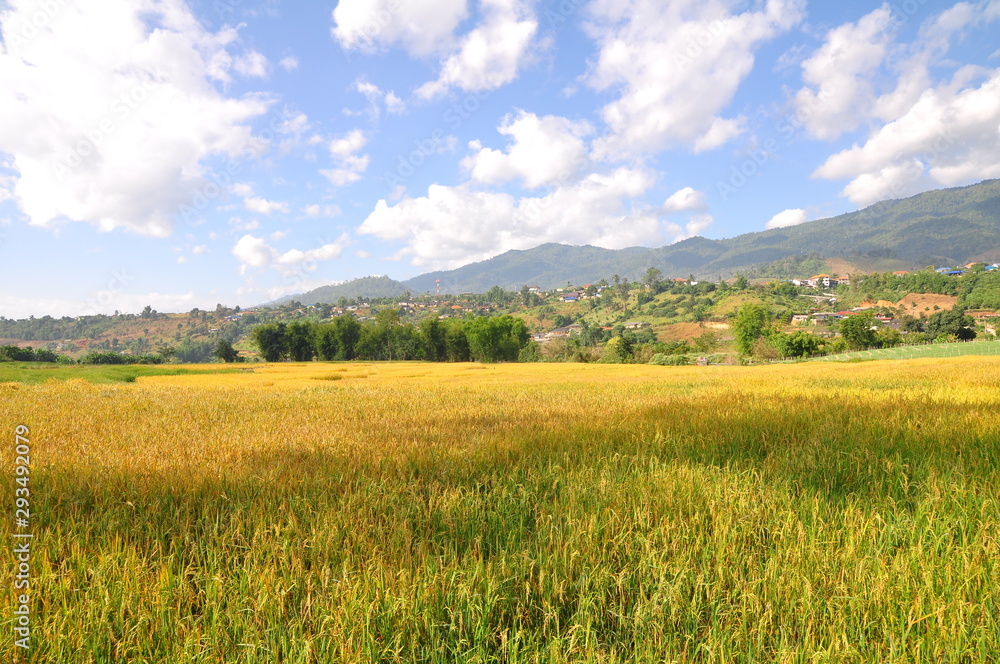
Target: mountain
x: 942, y: 227
x: 363, y: 287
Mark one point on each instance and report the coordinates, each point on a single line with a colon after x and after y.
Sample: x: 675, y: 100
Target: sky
x: 185, y: 154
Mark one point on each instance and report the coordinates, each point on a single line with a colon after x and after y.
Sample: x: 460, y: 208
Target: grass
x: 32, y: 373
x: 516, y: 513
x: 987, y: 347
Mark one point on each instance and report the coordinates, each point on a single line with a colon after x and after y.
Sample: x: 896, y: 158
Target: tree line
x: 481, y: 339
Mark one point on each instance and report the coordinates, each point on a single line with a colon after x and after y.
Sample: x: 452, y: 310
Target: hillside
x: 379, y: 286
x: 943, y: 227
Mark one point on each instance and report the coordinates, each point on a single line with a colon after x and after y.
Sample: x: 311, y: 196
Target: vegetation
x: 485, y: 339
x: 517, y: 513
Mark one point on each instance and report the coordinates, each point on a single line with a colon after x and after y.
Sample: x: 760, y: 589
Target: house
x: 824, y: 318
x: 563, y: 332
x: 534, y: 289
x: 993, y: 267
x: 800, y: 319
x: 636, y: 324
x: 900, y: 273
x: 570, y: 297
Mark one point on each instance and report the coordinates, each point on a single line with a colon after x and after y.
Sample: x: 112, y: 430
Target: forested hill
x: 943, y: 227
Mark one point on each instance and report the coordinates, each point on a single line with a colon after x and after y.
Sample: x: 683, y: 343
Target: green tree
x: 299, y: 341
x: 271, y: 341
x: 433, y: 339
x: 652, y: 279
x: 496, y: 339
x: 859, y: 331
x: 749, y: 325
x: 951, y: 322
x: 225, y: 351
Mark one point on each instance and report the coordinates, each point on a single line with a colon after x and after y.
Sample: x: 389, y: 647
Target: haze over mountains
x: 942, y: 227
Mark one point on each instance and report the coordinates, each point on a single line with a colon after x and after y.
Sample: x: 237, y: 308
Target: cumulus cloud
x: 264, y: 206
x: 251, y: 64
x: 421, y: 27
x: 678, y: 65
x: 684, y: 200
x: 289, y: 63
x: 90, y: 99
x: 542, y: 151
x: 378, y: 98
x: 947, y: 138
x: 255, y: 252
x: 792, y: 217
x: 490, y: 55
x: 839, y: 75
x: 349, y: 166
x: 452, y: 226
x: 317, y: 210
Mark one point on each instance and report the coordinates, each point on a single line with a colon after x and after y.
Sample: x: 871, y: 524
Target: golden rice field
x: 513, y: 513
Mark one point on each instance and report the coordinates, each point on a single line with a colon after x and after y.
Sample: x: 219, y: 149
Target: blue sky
x: 183, y: 154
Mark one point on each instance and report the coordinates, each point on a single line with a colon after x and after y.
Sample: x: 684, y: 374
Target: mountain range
x: 941, y: 227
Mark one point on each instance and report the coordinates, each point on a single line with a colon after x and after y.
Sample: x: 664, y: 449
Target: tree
x: 652, y: 279
x: 749, y: 325
x: 859, y: 331
x: 952, y: 322
x: 433, y: 339
x: 271, y: 341
x: 299, y: 341
x: 225, y: 351
x: 496, y: 339
x: 741, y: 283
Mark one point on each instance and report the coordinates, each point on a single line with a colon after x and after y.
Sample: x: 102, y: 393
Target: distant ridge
x: 941, y: 227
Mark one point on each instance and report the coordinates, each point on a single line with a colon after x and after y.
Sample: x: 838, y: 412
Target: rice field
x: 987, y: 346
x: 409, y: 512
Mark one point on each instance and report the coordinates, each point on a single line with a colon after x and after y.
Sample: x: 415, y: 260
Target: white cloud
x: 349, y: 166
x: 200, y: 249
x: 289, y: 63
x: 599, y: 210
x: 242, y: 189
x: 378, y: 98
x: 241, y: 224
x: 947, y: 138
x: 792, y: 217
x: 264, y: 206
x: 678, y: 65
x: 491, y: 54
x: 251, y: 64
x: 182, y: 259
x: 839, y: 73
x: 696, y: 226
x: 317, y: 210
x: 348, y: 144
x: 254, y: 252
x: 421, y: 27
x: 394, y: 104
x: 543, y: 151
x: 89, y: 99
x: 683, y: 200
x: 296, y: 123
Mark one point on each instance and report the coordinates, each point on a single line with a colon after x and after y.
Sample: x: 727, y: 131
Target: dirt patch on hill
x: 679, y: 331
x: 917, y: 304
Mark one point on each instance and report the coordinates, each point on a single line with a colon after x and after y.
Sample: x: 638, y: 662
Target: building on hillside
x: 570, y: 297
x: 824, y: 318
x: 900, y: 273
x: 636, y: 324
x: 800, y: 319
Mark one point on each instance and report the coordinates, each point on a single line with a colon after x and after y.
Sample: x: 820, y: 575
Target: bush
x: 663, y: 360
